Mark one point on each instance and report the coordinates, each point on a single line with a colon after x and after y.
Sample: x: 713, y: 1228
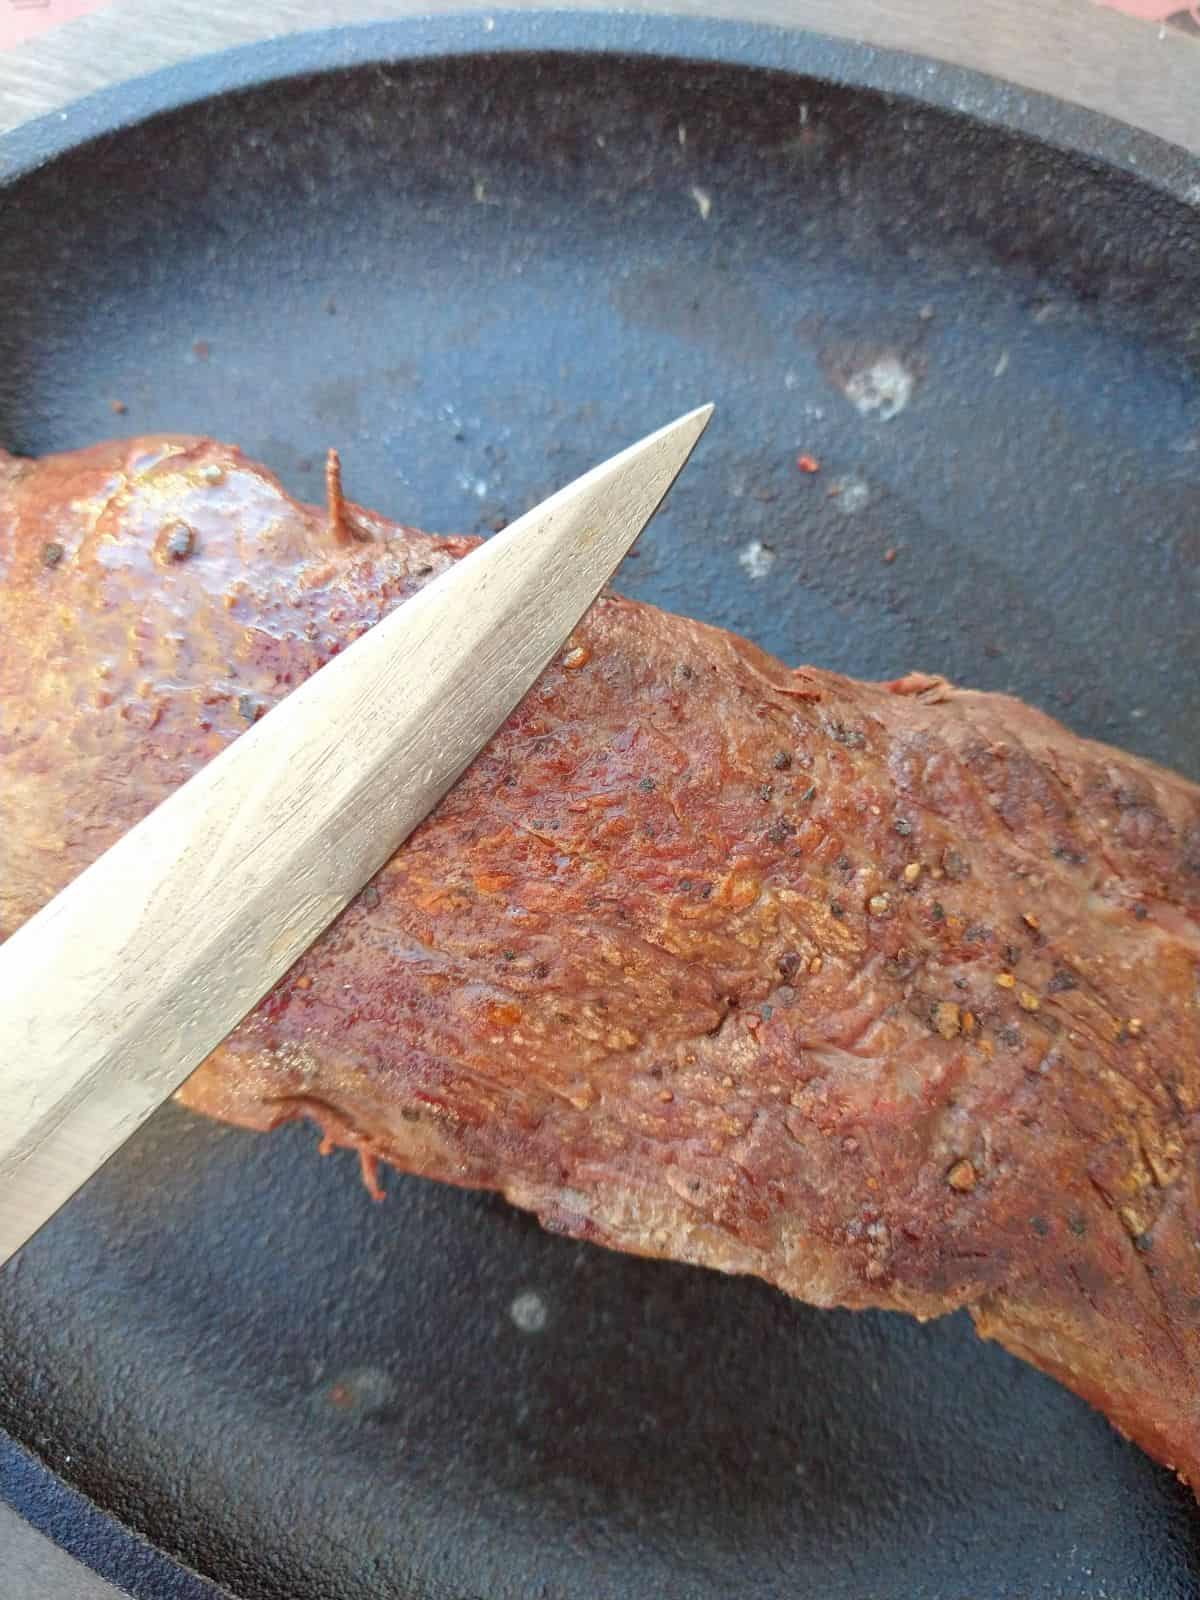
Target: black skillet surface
x: 477, y: 273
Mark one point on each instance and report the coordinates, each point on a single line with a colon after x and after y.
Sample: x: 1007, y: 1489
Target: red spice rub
x: 885, y: 993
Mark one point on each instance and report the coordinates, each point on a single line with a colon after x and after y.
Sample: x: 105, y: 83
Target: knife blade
x: 118, y: 988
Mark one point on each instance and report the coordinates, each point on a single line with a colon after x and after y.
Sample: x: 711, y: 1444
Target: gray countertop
x: 31, y: 1568
x: 1137, y: 72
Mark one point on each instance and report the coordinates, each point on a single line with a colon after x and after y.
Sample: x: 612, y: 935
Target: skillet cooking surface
x: 477, y: 276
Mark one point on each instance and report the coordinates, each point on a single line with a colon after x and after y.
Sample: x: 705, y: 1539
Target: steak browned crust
x: 889, y: 994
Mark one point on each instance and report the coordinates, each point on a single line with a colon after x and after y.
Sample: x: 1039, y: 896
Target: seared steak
x: 886, y: 993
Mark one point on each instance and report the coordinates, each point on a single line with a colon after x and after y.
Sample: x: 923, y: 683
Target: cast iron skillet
x: 477, y: 262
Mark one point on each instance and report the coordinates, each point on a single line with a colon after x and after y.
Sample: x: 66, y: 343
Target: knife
x: 114, y: 992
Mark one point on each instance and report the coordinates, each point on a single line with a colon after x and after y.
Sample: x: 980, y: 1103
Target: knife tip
x: 687, y: 428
